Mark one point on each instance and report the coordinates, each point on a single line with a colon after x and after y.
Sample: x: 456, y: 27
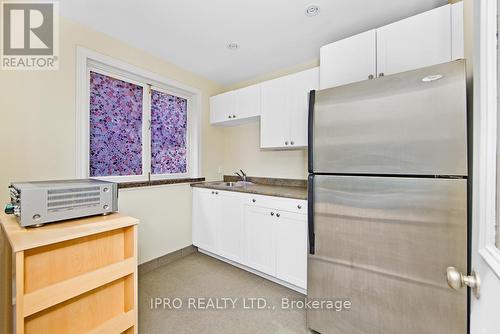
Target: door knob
x: 456, y: 280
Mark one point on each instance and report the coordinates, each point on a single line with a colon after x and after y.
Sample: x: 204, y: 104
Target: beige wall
x: 37, y: 131
x: 242, y: 143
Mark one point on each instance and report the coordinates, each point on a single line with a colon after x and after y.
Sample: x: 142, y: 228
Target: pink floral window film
x: 168, y: 133
x: 115, y: 127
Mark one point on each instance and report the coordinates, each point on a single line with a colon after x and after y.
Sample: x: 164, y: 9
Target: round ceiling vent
x: 233, y: 46
x: 312, y: 10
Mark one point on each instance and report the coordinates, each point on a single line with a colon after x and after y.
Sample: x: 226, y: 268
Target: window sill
x: 141, y: 184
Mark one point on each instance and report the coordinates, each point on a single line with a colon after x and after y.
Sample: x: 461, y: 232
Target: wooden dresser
x: 76, y: 276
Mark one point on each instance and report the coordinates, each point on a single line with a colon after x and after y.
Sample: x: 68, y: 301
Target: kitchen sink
x: 233, y: 184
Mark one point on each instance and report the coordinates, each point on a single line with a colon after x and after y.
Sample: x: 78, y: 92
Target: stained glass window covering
x: 115, y: 126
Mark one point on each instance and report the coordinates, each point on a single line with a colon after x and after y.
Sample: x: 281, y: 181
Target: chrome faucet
x: 243, y: 176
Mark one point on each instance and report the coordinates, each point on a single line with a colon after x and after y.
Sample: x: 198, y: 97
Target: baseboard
x: 166, y: 259
x: 256, y: 272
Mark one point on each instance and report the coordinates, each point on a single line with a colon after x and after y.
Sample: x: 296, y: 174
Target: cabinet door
x: 275, y: 121
x: 348, y: 60
x: 300, y: 85
x: 222, y: 106
x: 418, y: 41
x: 259, y: 239
x: 457, y: 30
x: 291, y: 248
x: 230, y: 226
x: 248, y: 102
x: 204, y: 219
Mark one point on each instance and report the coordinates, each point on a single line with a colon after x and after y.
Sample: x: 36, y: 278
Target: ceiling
x: 271, y: 34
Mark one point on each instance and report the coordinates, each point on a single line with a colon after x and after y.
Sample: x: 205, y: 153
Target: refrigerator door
x: 384, y: 245
x: 411, y: 123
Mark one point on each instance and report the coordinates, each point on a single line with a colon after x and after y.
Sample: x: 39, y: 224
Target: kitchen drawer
x: 277, y: 203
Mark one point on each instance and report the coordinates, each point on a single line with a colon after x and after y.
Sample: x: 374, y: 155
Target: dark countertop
x: 287, y: 188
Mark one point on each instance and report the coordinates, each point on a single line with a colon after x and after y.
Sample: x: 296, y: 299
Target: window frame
x: 88, y: 61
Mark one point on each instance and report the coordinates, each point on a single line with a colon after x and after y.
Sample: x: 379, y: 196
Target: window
x: 133, y: 125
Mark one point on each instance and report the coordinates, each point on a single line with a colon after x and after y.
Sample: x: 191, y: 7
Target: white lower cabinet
x: 218, y: 223
x: 229, y: 227
x: 204, y: 219
x: 290, y: 239
x: 259, y: 239
x: 263, y: 234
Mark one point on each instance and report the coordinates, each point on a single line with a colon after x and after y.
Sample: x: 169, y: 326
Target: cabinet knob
x: 253, y: 200
x: 229, y: 116
x: 234, y: 116
x: 213, y: 192
x: 381, y: 74
x: 299, y: 206
x: 272, y: 213
x: 370, y: 77
x: 291, y: 143
x: 278, y: 215
x: 286, y: 143
x: 217, y: 193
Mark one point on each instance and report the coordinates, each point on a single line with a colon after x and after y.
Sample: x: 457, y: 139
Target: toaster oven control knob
x: 9, y: 209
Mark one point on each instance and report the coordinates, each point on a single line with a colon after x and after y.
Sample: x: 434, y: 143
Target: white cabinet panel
x: 204, y: 219
x: 259, y: 239
x: 291, y: 248
x: 300, y: 85
x: 274, y: 120
x: 348, y: 60
x: 222, y: 106
x: 248, y: 102
x: 457, y: 30
x: 235, y: 107
x: 229, y: 226
x: 418, y: 41
x: 285, y: 108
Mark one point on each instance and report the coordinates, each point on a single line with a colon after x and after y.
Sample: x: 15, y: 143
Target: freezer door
x: 411, y: 123
x: 384, y: 245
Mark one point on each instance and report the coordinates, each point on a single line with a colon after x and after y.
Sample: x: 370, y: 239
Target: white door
x: 349, y: 60
x: 291, y: 247
x: 204, y: 219
x: 248, y: 102
x: 229, y: 226
x: 222, y: 107
x: 418, y: 41
x: 259, y: 239
x: 275, y: 123
x: 485, y: 195
x: 300, y: 85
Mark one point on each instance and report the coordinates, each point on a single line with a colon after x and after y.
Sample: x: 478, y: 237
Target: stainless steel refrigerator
x: 388, y: 203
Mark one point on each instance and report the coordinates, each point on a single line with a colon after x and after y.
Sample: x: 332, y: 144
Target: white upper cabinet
x: 274, y: 120
x: 300, y: 86
x: 349, y: 60
x: 426, y: 39
x: 457, y: 30
x: 285, y: 107
x: 415, y: 42
x: 235, y: 107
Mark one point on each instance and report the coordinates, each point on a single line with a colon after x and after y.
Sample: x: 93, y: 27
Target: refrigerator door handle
x: 310, y: 132
x: 310, y: 213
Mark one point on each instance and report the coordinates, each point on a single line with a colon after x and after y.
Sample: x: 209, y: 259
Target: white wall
x: 37, y: 132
